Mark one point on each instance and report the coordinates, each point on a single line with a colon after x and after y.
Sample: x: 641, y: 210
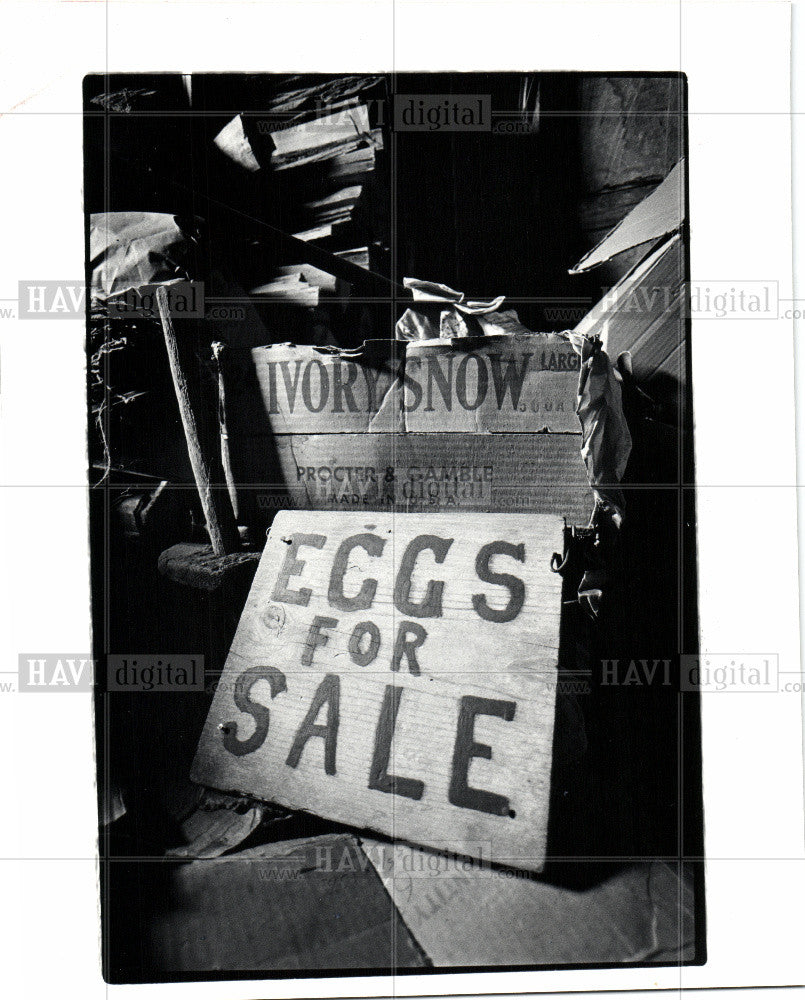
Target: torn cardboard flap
x: 233, y: 142
x: 433, y: 291
x: 464, y: 914
x: 305, y: 904
x: 657, y: 215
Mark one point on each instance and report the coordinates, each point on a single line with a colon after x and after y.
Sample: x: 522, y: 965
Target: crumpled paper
x: 132, y: 249
x: 442, y: 312
x: 212, y: 832
x: 606, y: 442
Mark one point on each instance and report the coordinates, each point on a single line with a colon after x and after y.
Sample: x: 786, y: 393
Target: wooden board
x: 397, y: 672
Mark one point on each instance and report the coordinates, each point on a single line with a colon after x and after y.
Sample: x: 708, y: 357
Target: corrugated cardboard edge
x: 597, y: 316
x: 662, y: 212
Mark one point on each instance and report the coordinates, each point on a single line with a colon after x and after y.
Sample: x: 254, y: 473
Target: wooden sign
x: 397, y: 672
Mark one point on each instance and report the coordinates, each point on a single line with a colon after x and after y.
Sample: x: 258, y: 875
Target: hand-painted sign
x: 398, y: 673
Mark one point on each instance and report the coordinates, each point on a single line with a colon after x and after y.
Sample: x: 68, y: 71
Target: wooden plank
x: 674, y: 364
x: 398, y: 673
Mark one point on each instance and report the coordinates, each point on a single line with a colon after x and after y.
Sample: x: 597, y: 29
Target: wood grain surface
x: 398, y: 673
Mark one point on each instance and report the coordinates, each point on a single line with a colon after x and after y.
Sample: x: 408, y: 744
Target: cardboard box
x: 484, y: 424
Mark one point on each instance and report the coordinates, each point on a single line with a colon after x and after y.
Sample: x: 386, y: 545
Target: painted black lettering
x: 460, y: 793
x: 410, y: 636
x: 374, y: 545
x: 258, y: 711
x: 514, y: 584
x: 315, y: 637
x: 431, y: 604
x: 379, y: 778
x: 293, y: 567
x: 363, y: 657
x: 329, y: 693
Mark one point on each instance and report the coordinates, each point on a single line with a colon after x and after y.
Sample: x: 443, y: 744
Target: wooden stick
x: 218, y: 349
x: 214, y: 502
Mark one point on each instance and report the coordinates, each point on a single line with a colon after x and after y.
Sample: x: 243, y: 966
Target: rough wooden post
x: 215, y: 503
x: 218, y: 351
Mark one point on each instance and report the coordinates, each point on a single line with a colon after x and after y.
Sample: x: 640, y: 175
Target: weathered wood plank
x: 216, y: 505
x: 398, y: 673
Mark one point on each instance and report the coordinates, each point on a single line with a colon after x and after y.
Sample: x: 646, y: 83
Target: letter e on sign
x: 397, y: 673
